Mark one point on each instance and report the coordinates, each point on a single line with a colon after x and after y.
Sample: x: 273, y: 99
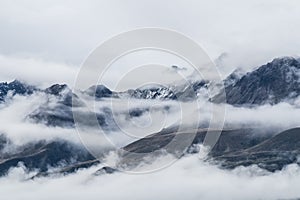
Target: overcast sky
x: 50, y: 37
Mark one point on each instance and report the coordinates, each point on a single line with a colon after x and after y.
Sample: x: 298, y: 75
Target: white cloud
x: 123, y: 129
x: 188, y: 178
x: 15, y: 124
x: 36, y: 71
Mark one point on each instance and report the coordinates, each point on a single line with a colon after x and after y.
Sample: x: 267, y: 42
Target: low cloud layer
x: 147, y: 117
x: 188, y: 178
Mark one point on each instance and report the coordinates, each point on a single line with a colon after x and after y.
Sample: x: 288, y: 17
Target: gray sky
x: 39, y: 34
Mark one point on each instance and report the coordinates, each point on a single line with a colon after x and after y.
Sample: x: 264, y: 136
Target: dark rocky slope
x: 43, y: 155
x: 241, y: 147
x: 272, y: 154
x: 272, y: 83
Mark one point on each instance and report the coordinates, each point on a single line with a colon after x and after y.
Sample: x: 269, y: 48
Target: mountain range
x: 272, y: 83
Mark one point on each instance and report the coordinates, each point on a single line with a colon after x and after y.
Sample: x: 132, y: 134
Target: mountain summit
x: 15, y: 87
x: 272, y: 83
